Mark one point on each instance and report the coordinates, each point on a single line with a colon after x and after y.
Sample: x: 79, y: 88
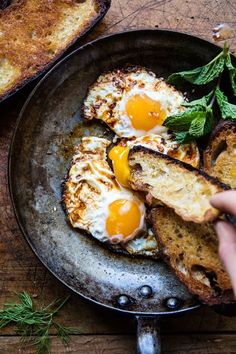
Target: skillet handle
x: 148, y: 335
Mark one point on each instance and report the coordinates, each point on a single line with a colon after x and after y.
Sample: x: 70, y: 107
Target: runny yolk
x: 144, y: 112
x: 124, y: 218
x: 119, y: 156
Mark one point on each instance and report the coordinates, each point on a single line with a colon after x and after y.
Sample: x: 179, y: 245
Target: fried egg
x: 132, y: 102
x: 188, y: 153
x: 144, y: 245
x: 96, y: 202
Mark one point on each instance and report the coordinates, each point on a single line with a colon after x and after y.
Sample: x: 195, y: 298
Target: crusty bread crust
x: 192, y: 252
x: 220, y: 156
x: 174, y: 183
x: 33, y: 34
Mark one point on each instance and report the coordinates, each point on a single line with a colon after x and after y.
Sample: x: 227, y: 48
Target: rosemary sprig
x: 33, y: 324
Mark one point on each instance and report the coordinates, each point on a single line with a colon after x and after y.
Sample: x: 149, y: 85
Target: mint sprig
x: 203, y: 101
x: 201, y: 126
x: 183, y: 137
x: 204, y: 74
x: 198, y: 119
x: 182, y: 121
x: 228, y: 110
x: 232, y: 73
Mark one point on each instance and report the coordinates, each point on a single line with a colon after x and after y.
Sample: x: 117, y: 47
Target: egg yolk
x: 119, y: 156
x: 144, y: 112
x: 124, y: 218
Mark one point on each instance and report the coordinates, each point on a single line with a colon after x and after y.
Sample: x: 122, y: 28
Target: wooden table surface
x: 203, y: 331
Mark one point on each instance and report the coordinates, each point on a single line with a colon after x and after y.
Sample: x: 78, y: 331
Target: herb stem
x: 213, y: 98
x: 225, y: 50
x: 61, y: 305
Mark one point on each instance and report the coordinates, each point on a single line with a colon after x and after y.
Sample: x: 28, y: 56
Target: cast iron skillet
x: 48, y: 126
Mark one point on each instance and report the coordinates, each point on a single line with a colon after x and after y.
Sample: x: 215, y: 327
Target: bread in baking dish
x: 34, y: 33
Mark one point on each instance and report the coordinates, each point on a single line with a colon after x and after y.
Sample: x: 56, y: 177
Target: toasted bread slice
x: 178, y: 185
x: 34, y: 33
x: 192, y: 252
x: 220, y: 155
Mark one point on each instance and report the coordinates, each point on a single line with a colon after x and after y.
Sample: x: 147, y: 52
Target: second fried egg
x: 95, y: 202
x: 132, y: 102
x: 187, y: 153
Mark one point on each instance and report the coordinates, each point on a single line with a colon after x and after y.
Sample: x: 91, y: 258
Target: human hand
x: 226, y: 202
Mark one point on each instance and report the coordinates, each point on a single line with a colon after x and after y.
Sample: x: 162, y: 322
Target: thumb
x: 225, y: 201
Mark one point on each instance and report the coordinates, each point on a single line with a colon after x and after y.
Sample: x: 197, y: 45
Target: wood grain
x: 106, y: 332
x: 125, y: 344
x: 198, y: 18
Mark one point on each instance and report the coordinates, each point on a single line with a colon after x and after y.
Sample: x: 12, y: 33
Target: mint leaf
x: 209, y: 124
x: 228, y: 110
x: 201, y: 126
x: 182, y: 121
x: 195, y: 122
x: 202, y: 75
x: 197, y: 127
x: 183, y: 137
x: 203, y: 102
x: 232, y: 73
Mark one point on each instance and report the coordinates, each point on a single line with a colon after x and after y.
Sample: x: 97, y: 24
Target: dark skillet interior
x: 49, y: 126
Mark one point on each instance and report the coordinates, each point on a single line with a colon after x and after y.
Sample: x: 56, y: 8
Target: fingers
x: 227, y: 248
x: 225, y: 201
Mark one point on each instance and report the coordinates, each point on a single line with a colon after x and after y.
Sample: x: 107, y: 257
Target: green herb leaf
x: 33, y: 324
x: 202, y: 75
x: 209, y: 121
x: 26, y: 299
x: 203, y: 102
x: 64, y: 332
x: 198, y: 120
x: 201, y: 126
x: 197, y: 127
x: 183, y: 137
x: 232, y: 73
x: 194, y: 122
x: 42, y: 340
x: 228, y: 110
x: 182, y: 121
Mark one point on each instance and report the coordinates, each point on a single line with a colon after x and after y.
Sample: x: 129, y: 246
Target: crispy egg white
x: 143, y: 245
x: 188, y: 153
x: 132, y: 102
x: 94, y: 200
